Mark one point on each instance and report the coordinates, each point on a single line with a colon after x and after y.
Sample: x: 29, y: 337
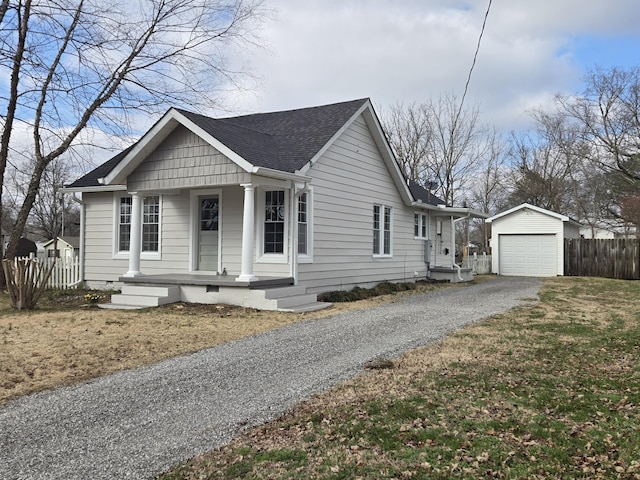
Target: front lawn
x: 550, y: 390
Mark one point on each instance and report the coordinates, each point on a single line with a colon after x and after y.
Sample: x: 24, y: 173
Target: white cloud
x: 410, y: 50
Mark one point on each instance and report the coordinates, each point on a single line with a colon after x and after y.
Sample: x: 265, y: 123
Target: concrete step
x: 143, y: 296
x: 311, y: 307
x: 281, y: 292
x: 116, y: 306
x: 151, y: 290
x: 297, y: 300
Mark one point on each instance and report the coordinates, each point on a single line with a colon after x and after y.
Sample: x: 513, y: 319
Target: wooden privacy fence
x: 610, y: 258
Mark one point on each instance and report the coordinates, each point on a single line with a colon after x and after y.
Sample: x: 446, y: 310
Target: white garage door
x: 528, y: 255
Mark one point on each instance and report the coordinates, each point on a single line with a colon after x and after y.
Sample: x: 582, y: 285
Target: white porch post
x: 135, y: 240
x: 248, y: 234
x: 453, y: 241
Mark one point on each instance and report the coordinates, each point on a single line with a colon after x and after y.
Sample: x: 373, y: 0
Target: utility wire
x: 473, y: 64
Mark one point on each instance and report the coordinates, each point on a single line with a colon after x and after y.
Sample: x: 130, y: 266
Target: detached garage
x: 528, y: 241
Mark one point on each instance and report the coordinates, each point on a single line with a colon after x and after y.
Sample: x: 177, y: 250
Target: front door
x: 208, y: 239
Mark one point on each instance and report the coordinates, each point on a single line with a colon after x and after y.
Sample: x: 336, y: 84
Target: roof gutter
x: 450, y: 211
x: 98, y: 188
x: 278, y: 174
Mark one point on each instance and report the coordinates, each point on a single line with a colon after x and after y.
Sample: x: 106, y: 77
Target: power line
x: 473, y: 64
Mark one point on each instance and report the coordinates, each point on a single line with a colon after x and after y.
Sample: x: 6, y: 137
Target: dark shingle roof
x: 420, y: 193
x: 284, y: 141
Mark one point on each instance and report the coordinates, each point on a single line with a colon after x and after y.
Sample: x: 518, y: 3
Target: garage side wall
x: 527, y: 222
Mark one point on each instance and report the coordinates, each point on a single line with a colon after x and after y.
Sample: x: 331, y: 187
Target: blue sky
x: 607, y: 51
x: 323, y: 51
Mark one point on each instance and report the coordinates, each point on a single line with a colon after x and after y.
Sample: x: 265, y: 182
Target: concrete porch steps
x: 143, y: 296
x: 294, y: 299
x: 282, y: 298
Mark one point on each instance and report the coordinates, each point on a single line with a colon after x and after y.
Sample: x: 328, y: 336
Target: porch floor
x: 213, y: 280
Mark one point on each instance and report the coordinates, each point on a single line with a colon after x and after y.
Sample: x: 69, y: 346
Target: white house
x: 226, y: 210
x: 529, y: 241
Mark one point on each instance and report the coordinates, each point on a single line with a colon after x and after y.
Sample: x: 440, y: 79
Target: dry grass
x: 67, y: 341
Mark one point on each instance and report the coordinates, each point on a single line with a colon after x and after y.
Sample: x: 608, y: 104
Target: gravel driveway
x: 137, y: 423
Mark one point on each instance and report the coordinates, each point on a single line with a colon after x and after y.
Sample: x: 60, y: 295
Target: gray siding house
x: 262, y: 210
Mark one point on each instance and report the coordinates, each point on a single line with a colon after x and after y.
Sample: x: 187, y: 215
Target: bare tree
x: 608, y: 112
x: 408, y: 130
x: 437, y: 143
x: 488, y: 191
x: 455, y: 146
x: 54, y: 213
x: 545, y: 162
x: 78, y: 64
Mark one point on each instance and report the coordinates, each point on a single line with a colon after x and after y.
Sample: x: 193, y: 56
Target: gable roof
x: 281, y: 141
x: 73, y: 242
x: 284, y: 141
x: 528, y: 206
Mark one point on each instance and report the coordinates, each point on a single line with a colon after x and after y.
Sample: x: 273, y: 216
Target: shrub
x: 359, y: 293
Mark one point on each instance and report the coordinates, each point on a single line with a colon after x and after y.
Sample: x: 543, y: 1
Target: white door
x: 208, y: 240
x: 528, y: 255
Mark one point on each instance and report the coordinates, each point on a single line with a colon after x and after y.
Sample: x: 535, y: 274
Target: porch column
x: 135, y: 239
x: 248, y: 234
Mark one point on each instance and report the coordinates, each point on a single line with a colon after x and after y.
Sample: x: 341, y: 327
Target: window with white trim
x: 124, y: 224
x: 382, y: 220
x: 274, y: 222
x: 150, y: 224
x: 420, y: 225
x: 303, y: 224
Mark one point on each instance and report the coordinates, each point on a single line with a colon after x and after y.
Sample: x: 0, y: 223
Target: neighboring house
x: 529, y: 241
x: 65, y: 247
x: 224, y: 208
x: 606, y: 232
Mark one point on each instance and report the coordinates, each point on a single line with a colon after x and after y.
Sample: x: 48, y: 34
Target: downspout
x: 453, y: 243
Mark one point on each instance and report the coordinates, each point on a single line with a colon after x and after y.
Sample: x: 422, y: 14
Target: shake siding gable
x: 349, y: 179
x: 185, y: 160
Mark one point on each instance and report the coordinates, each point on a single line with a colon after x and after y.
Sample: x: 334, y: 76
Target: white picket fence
x: 65, y: 273
x: 480, y: 264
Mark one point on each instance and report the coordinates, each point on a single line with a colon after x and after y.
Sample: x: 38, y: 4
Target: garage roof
x: 528, y: 206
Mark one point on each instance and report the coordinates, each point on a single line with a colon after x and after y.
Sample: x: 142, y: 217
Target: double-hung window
x: 124, y: 224
x: 150, y: 224
x: 420, y: 225
x: 382, y: 219
x: 274, y: 222
x: 303, y: 224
